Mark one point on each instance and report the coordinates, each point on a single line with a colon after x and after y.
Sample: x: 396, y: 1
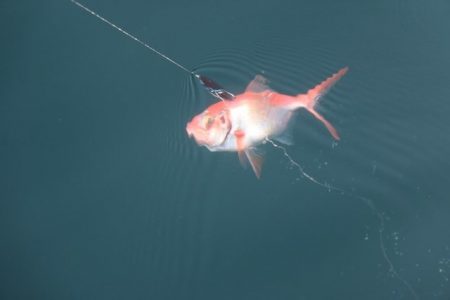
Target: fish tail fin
x: 310, y: 99
x: 327, y: 124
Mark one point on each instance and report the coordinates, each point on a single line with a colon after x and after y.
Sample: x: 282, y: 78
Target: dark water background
x: 103, y: 196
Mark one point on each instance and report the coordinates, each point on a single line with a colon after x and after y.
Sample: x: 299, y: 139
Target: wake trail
x: 370, y: 204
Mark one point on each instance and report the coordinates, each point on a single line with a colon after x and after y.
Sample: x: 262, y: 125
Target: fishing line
x: 131, y: 36
x: 381, y: 218
x: 217, y: 91
x: 211, y: 86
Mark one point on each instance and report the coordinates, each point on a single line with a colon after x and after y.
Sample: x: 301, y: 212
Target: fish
x: 255, y: 116
x: 241, y: 122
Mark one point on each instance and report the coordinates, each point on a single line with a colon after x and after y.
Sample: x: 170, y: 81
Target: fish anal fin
x: 257, y: 85
x: 285, y: 137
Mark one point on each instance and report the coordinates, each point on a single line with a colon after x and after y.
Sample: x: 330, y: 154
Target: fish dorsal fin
x: 252, y: 157
x: 257, y: 85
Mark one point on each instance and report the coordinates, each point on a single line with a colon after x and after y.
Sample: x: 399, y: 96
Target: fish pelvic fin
x: 254, y: 158
x: 248, y: 154
x: 256, y: 161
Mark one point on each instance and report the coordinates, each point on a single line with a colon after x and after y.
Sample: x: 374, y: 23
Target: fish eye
x: 222, y: 119
x: 209, y: 122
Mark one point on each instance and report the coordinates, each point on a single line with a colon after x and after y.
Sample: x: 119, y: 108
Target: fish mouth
x: 191, y: 134
x: 189, y: 130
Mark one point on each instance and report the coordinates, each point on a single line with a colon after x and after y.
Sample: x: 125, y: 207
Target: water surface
x: 104, y: 196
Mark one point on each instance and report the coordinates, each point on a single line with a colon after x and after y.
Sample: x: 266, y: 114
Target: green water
x: 103, y: 196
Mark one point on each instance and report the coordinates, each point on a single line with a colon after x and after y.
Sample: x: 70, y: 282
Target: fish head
x: 210, y: 128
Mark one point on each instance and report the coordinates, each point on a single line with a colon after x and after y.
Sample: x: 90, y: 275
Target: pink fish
x: 253, y: 117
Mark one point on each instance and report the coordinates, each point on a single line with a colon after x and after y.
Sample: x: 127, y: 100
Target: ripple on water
x: 371, y: 123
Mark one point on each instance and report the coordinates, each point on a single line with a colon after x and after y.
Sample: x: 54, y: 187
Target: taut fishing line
x: 210, y: 85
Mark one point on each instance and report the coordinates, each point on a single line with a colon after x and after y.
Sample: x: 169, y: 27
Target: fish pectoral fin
x: 285, y: 137
x: 248, y: 154
x: 240, y: 146
x: 256, y: 161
